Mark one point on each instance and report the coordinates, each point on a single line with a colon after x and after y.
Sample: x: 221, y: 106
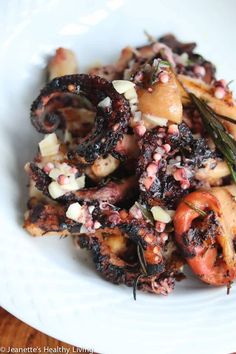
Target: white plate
x: 43, y: 281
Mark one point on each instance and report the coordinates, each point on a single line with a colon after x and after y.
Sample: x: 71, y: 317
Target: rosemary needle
x: 222, y: 139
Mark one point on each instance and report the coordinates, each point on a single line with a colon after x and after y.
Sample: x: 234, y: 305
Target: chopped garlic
x: 80, y: 182
x: 49, y: 145
x: 91, y: 209
x: 55, y: 173
x: 66, y: 170
x: 133, y: 108
x: 55, y: 190
x: 133, y: 101
x: 61, y: 169
x: 73, y: 212
x: 121, y: 86
x: 83, y: 230
x: 71, y: 186
x: 106, y: 102
x: 154, y: 121
x: 137, y: 116
x: 160, y: 214
x: 131, y: 94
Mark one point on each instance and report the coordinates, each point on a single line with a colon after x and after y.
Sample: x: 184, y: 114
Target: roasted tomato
x: 205, y: 233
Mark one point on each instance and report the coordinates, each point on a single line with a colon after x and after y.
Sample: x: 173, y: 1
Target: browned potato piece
x: 225, y: 107
x: 63, y: 63
x: 212, y: 172
x: 226, y: 196
x: 103, y: 167
x: 164, y: 101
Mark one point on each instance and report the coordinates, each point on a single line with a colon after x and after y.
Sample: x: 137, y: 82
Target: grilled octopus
x: 110, y: 123
x: 167, y: 163
x: 116, y: 240
x: 111, y: 192
x: 205, y: 231
x: 167, y: 48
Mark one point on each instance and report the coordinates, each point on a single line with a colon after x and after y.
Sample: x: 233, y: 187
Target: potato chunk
x: 164, y: 101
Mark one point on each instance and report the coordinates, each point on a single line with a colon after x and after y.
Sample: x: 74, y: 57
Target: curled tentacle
x: 113, y: 192
x: 113, y: 258
x: 110, y: 124
x: 113, y: 236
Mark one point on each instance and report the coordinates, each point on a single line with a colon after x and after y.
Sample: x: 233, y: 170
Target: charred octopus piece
x: 119, y: 266
x: 113, y: 192
x: 111, y: 119
x: 167, y: 163
x: 113, y: 236
x: 204, y: 236
x: 198, y: 65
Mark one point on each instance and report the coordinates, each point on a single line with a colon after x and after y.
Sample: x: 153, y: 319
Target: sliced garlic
x: 121, y: 86
x: 151, y: 121
x: 61, y: 169
x: 49, y: 145
x: 73, y: 212
x: 133, y: 101
x: 91, y: 208
x: 103, y: 167
x: 106, y: 102
x: 83, y: 230
x: 55, y: 190
x: 137, y: 116
x: 55, y: 173
x: 80, y: 182
x: 160, y: 214
x: 71, y: 186
x: 133, y: 108
x: 131, y: 94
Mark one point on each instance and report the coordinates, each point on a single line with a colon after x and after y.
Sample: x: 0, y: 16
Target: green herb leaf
x: 141, y: 258
x: 135, y: 285
x: 146, y: 214
x: 232, y: 171
x: 195, y: 208
x: 163, y: 63
x: 222, y: 139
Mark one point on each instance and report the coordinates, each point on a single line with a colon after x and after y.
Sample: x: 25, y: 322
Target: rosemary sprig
x: 195, y: 208
x: 222, y: 139
x: 233, y: 173
x: 231, y: 120
x: 141, y: 258
x: 136, y: 285
x: 143, y: 265
x: 146, y: 214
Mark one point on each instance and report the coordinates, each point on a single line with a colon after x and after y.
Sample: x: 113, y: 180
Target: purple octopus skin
x: 110, y: 122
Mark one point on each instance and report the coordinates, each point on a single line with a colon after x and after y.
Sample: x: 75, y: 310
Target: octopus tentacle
x: 113, y: 192
x: 167, y: 163
x: 113, y: 243
x: 111, y: 122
